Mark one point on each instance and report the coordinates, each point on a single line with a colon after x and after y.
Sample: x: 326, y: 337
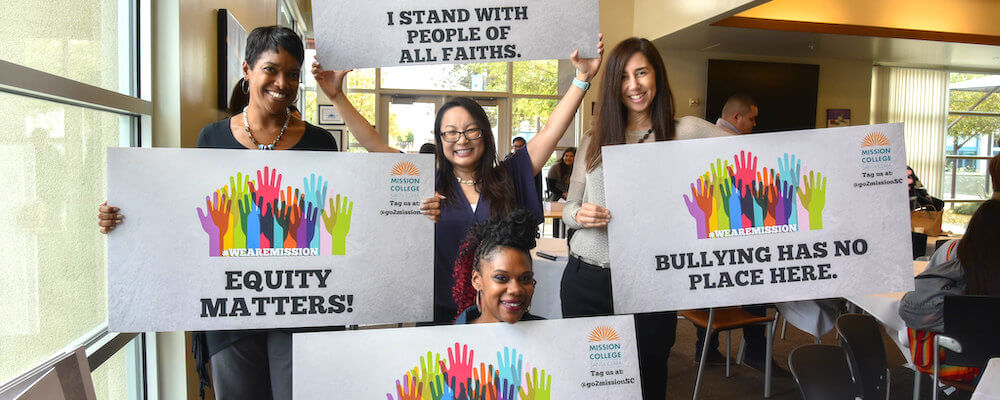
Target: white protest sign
x: 306, y: 238
x: 381, y: 33
x: 578, y: 358
x: 811, y: 214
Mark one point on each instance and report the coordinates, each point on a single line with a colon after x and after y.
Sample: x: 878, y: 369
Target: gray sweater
x: 923, y: 308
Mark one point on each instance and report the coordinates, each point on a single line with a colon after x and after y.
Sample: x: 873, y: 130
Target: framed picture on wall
x: 232, y: 44
x: 838, y: 117
x: 338, y: 135
x: 328, y: 115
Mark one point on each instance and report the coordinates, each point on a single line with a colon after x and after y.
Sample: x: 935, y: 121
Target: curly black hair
x: 517, y: 229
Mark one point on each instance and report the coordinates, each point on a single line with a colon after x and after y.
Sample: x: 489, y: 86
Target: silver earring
x: 246, y: 86
x: 479, y: 296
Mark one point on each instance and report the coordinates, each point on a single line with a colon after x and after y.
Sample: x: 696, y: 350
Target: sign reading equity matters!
x: 381, y: 33
x: 227, y: 239
x: 579, y: 358
x: 760, y: 218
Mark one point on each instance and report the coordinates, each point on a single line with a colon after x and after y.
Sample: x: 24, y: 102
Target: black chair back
x: 975, y: 322
x: 861, y: 338
x: 822, y: 372
x: 919, y: 241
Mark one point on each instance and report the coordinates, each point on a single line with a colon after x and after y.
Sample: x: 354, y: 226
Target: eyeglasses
x: 470, y: 134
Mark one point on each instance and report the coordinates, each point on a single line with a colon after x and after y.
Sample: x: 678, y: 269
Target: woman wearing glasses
x: 472, y: 182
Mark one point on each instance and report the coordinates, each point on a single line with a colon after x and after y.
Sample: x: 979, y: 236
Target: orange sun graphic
x: 875, y: 139
x: 405, y: 168
x: 602, y: 333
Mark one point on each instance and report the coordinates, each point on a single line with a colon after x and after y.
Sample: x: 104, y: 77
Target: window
x: 69, y: 73
x: 973, y: 132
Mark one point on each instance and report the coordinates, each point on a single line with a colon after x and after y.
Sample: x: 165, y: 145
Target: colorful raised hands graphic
x: 314, y: 189
x: 760, y: 193
x: 508, y: 391
x: 409, y: 389
x: 720, y: 179
x: 210, y: 227
x: 789, y: 169
x: 537, y: 389
x: 459, y: 364
x: 731, y: 202
x: 440, y: 389
x: 813, y: 197
x: 485, y: 381
x: 786, y: 204
x: 237, y: 188
x: 747, y: 203
x: 338, y: 233
x: 509, y: 366
x: 701, y: 206
x: 430, y: 369
x: 746, y: 167
x: 266, y: 223
x: 250, y: 218
x: 267, y: 217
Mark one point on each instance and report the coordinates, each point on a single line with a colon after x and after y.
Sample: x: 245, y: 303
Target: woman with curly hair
x: 494, y: 280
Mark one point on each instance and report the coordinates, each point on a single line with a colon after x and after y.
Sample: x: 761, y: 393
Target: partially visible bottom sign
x: 560, y: 359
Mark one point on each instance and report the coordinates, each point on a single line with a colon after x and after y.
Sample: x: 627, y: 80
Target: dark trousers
x: 754, y: 335
x: 586, y: 291
x: 257, y: 367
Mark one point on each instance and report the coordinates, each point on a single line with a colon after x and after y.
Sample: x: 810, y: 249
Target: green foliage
x: 965, y: 128
x: 965, y: 208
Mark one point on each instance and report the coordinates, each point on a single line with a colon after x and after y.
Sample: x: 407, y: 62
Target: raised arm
x: 332, y: 84
x: 541, y: 146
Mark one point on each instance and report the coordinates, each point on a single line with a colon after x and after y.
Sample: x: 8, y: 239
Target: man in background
x: 739, y: 114
x: 517, y: 144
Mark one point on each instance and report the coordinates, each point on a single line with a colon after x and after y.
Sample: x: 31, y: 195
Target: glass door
x: 410, y: 120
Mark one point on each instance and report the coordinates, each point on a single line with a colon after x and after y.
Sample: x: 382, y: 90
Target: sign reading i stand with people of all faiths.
x: 758, y: 218
x: 384, y: 33
x: 231, y: 239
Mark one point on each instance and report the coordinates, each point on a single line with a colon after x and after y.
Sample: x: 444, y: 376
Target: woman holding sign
x: 258, y: 364
x: 472, y: 182
x: 635, y: 106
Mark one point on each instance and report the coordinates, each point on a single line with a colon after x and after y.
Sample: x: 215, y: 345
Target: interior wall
x: 842, y: 83
x: 198, y: 55
x: 617, y: 24
x: 657, y: 18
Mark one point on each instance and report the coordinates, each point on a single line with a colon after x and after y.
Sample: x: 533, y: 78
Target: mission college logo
x: 876, y: 152
x: 742, y: 200
x: 605, y: 347
x: 263, y: 219
x: 404, y: 178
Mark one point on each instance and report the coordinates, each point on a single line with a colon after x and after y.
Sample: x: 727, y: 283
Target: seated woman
x: 966, y: 266
x: 559, y: 174
x: 493, y: 277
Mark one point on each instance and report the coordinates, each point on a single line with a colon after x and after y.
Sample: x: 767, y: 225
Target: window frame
x: 135, y: 33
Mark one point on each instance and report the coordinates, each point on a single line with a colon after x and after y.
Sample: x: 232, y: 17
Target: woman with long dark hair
x: 559, y: 174
x: 635, y: 105
x: 964, y: 266
x: 472, y: 182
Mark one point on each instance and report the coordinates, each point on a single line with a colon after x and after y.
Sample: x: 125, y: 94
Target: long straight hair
x: 494, y: 183
x: 612, y: 115
x: 977, y: 250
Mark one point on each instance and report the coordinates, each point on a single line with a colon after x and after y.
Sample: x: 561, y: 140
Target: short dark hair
x: 740, y: 103
x: 428, y: 148
x: 519, y: 139
x: 273, y: 38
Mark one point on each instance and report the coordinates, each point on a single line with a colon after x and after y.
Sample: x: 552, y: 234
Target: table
x: 553, y: 210
x: 989, y: 384
x: 885, y: 308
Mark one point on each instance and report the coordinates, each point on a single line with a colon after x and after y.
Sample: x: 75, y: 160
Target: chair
x: 971, y: 324
x: 919, y: 241
x: 861, y: 338
x: 727, y: 319
x: 821, y: 372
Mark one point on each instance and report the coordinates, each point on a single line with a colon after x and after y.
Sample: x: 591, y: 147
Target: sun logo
x: 875, y: 139
x: 603, y: 333
x: 405, y: 168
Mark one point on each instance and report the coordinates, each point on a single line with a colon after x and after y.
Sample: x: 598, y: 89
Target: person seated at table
x: 559, y: 174
x: 963, y: 266
x: 494, y: 280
